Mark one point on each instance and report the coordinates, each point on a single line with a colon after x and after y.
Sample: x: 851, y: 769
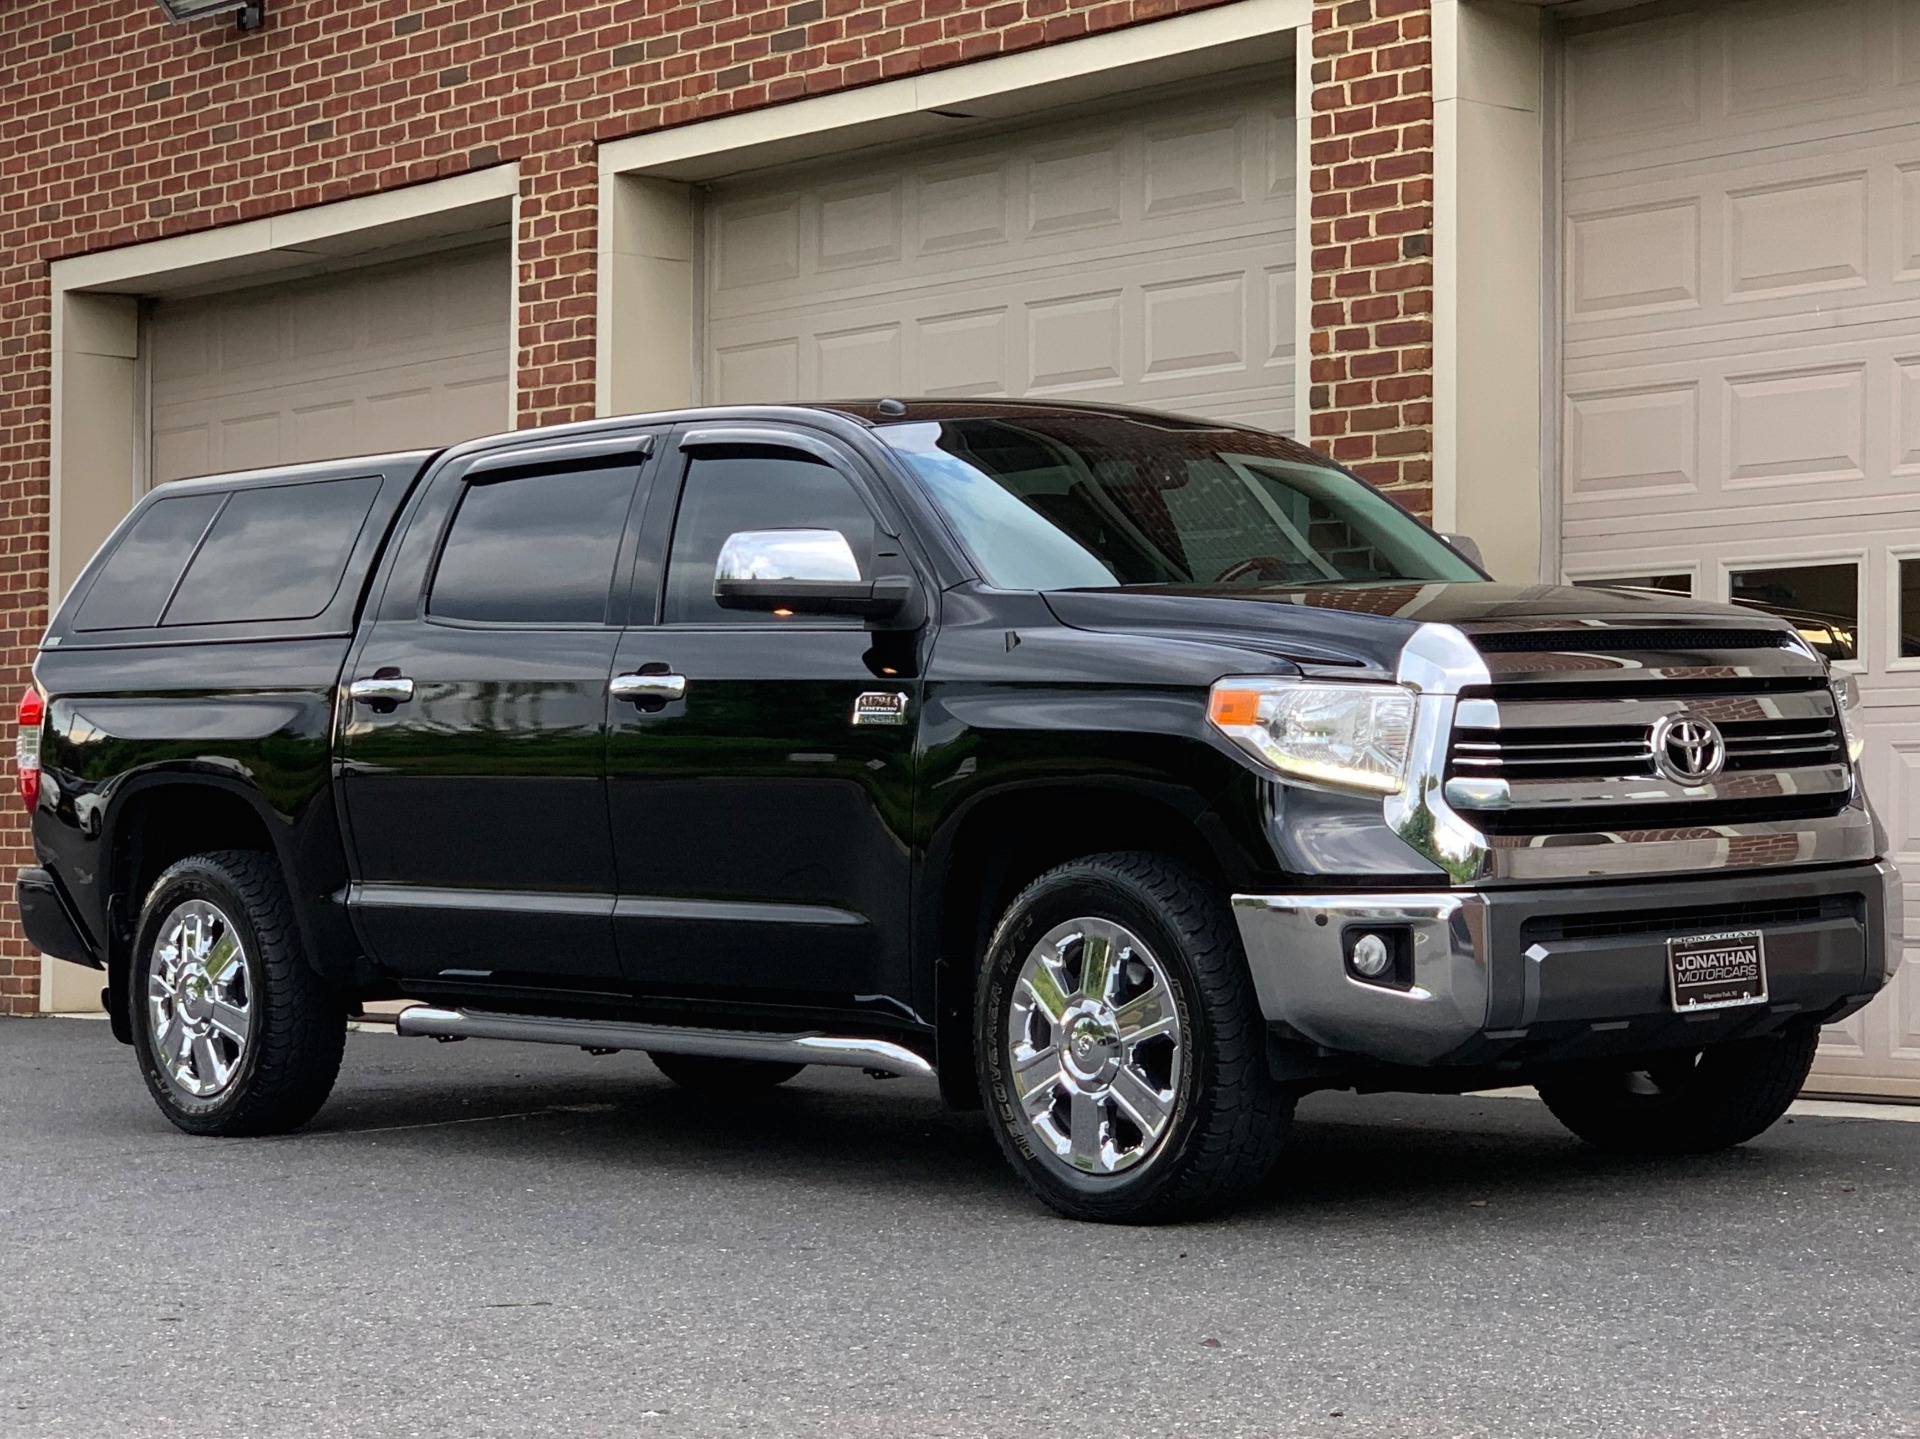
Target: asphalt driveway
x: 482, y: 1239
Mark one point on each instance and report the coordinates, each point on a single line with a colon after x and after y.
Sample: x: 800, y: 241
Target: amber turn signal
x: 1235, y: 707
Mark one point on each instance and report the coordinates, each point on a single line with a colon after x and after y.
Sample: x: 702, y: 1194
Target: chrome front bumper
x: 1563, y: 973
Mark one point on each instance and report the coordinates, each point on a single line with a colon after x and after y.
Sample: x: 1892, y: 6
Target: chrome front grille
x: 1576, y: 760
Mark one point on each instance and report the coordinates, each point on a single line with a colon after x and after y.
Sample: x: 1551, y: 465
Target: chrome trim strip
x: 381, y: 895
x: 1539, y: 751
x: 844, y: 1051
x: 1529, y: 667
x: 732, y: 911
x: 1850, y: 837
x: 1494, y: 793
x: 1436, y: 663
x: 1440, y: 660
x: 1575, y: 713
x: 517, y: 901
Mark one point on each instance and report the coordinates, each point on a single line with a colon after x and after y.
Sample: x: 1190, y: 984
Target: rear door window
x: 132, y: 588
x: 536, y: 549
x: 275, y: 553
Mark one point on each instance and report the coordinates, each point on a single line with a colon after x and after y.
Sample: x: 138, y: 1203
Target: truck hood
x: 1366, y: 625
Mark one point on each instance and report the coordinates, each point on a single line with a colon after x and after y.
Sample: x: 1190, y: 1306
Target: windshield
x: 1076, y: 501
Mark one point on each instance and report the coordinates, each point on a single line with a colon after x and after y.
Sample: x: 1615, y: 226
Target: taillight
x: 26, y: 745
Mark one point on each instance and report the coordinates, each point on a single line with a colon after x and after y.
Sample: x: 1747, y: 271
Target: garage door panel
x: 1194, y: 327
x: 1797, y: 237
x: 1161, y: 341
x: 1635, y: 260
x: 1714, y: 79
x: 1194, y: 165
x: 1147, y: 259
x: 392, y: 358
x: 964, y: 354
x: 314, y: 426
x: 320, y: 325
x: 1788, y: 55
x: 860, y: 362
x: 1825, y: 418
x: 184, y: 449
x: 1741, y: 373
x: 1075, y: 342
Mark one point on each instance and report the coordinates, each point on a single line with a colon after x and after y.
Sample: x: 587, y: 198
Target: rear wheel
x: 235, y: 1033
x: 1687, y: 1104
x: 1121, y: 1050
x: 723, y: 1076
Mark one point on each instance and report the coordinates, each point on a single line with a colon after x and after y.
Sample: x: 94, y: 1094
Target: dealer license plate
x: 1718, y: 971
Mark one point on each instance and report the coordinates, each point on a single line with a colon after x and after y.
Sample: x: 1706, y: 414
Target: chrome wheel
x: 199, y: 999
x: 1094, y: 1047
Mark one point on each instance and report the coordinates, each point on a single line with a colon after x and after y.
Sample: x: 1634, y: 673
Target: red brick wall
x: 116, y: 126
x: 1371, y: 377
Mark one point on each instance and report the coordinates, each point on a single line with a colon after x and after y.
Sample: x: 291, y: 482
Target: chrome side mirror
x: 802, y: 572
x: 810, y: 556
x: 1467, y: 548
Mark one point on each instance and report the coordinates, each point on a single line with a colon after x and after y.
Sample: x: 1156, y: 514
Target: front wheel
x: 234, y: 1031
x: 1689, y: 1103
x: 1121, y: 1049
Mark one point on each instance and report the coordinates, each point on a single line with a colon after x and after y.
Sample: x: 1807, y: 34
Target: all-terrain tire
x: 1229, y: 1118
x: 1693, y: 1104
x: 295, y: 1030
x: 706, y: 1075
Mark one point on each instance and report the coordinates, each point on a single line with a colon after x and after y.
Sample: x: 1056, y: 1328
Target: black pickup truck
x: 1132, y: 774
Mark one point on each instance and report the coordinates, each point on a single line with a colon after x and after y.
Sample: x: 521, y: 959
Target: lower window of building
x: 1822, y: 601
x: 1667, y: 584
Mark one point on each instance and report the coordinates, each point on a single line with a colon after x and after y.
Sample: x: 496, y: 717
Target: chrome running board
x: 665, y: 1038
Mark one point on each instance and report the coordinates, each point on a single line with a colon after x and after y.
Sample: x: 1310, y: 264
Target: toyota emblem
x: 1688, y: 750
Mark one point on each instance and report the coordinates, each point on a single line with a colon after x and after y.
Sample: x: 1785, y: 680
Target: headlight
x: 1351, y: 736
x: 1846, y: 699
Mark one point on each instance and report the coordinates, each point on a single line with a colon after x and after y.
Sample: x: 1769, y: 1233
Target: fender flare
x: 279, y: 829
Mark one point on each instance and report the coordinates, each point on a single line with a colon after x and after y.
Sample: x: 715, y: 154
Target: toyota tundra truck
x: 1132, y: 775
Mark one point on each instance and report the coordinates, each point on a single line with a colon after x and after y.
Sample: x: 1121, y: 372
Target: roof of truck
x: 892, y: 411
x: 874, y: 412
x: 396, y: 462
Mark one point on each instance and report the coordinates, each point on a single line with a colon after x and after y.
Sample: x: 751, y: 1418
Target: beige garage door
x: 1742, y: 358
x: 1143, y: 258
x: 388, y: 358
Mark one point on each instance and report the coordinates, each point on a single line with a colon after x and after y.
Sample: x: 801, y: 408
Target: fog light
x: 1372, y: 956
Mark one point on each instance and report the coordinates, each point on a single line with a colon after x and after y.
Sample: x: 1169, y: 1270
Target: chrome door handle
x: 648, y: 687
x: 382, y: 689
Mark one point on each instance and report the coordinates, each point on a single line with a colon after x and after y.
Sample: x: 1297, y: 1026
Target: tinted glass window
x: 1823, y: 601
x: 535, y: 550
x: 725, y: 494
x: 275, y: 553
x: 132, y: 588
x: 1048, y: 502
x: 1909, y: 609
x: 1670, y: 584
